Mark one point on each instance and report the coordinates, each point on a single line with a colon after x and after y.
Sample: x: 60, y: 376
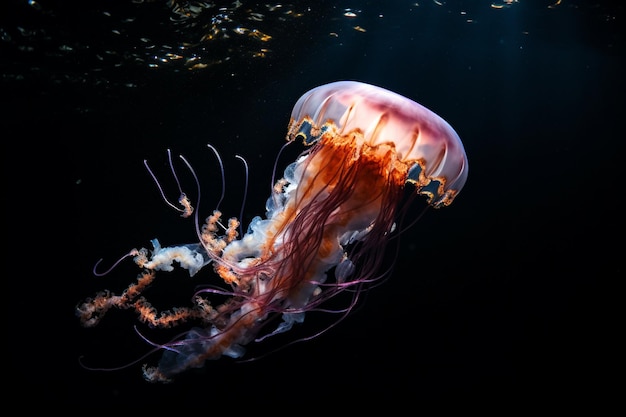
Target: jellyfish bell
x: 422, y: 139
x: 327, y: 222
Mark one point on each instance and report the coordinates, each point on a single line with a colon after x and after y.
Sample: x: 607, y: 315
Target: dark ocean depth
x: 500, y: 304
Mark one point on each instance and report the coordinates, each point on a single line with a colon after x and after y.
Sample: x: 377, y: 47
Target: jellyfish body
x: 324, y: 232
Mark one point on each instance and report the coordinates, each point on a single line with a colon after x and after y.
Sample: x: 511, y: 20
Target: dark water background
x: 500, y: 304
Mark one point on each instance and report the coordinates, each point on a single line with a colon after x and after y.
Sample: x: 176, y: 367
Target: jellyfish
x: 324, y: 232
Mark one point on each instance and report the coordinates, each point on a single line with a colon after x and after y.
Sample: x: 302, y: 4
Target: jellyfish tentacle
x: 245, y: 189
x: 161, y: 191
x: 223, y: 177
x: 133, y: 252
x: 327, y: 222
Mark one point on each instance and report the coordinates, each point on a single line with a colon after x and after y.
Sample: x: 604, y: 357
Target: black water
x: 499, y: 304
